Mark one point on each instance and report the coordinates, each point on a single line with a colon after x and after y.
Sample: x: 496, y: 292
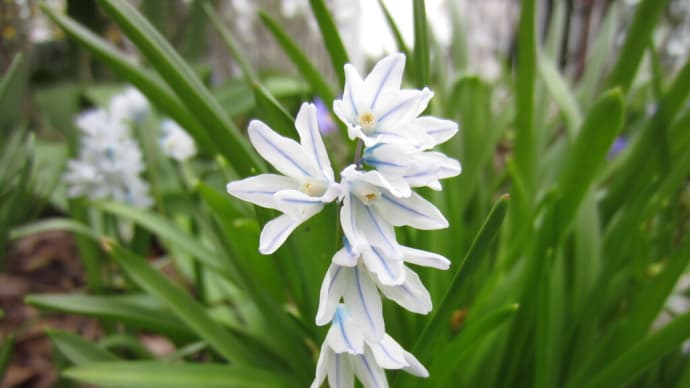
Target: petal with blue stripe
x: 413, y: 211
x: 364, y: 303
x: 285, y: 154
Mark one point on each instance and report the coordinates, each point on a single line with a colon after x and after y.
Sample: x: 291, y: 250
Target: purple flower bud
x: 323, y: 116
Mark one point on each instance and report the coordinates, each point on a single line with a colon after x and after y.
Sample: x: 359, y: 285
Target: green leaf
x: 78, y: 349
x: 642, y: 355
x: 185, y: 83
x: 271, y: 112
x: 588, y: 152
x: 157, y: 92
x: 480, y: 247
x: 526, y: 139
x: 185, y: 308
x: 169, y: 232
x: 561, y: 93
x: 230, y: 42
x: 148, y: 374
x: 5, y: 354
x: 137, y: 310
x: 421, y: 44
x: 52, y: 224
x: 447, y: 361
x: 331, y: 38
x: 299, y: 58
x: 638, y: 34
x: 9, y: 76
x: 397, y: 35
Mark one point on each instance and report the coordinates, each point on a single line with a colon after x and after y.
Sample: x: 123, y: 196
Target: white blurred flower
x: 129, y: 105
x: 109, y: 163
x: 176, y: 143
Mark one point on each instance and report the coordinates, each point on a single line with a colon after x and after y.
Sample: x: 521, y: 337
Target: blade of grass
x: 437, y: 321
x: 137, y: 310
x: 152, y: 88
x: 421, y: 44
x: 299, y: 58
x: 331, y: 38
x: 451, y: 354
x: 271, y: 112
x: 77, y: 349
x: 9, y: 76
x: 184, y: 82
x: 186, y: 308
x: 642, y: 355
x: 149, y: 374
x: 230, y: 42
x: 5, y: 354
x: 646, y: 17
x: 560, y: 91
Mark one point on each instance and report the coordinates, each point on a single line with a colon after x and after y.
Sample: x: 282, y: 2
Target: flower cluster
x: 375, y: 195
x: 110, y: 160
x: 175, y: 142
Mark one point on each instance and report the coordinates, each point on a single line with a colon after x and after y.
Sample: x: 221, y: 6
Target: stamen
x: 367, y: 121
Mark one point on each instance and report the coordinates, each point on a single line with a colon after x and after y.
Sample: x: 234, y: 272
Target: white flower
x: 175, y: 142
x: 346, y: 353
x: 358, y: 289
x: 129, y: 106
x: 375, y: 108
x: 109, y: 163
x: 406, y: 162
x: 372, y: 206
x: 307, y: 182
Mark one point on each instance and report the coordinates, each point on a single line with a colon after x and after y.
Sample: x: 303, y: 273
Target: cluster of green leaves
x: 560, y: 294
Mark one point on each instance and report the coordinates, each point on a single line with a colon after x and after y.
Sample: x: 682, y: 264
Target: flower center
x: 366, y: 193
x: 313, y: 187
x: 367, y: 121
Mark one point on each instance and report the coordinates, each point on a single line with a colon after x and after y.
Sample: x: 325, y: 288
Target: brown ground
x: 43, y: 263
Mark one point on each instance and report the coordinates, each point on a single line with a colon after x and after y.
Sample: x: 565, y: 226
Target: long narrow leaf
x: 181, y: 78
x: 421, y: 44
x: 77, y: 349
x: 331, y: 37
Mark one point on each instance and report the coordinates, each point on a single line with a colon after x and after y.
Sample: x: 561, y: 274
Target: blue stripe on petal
x: 395, y: 109
x: 352, y: 101
x: 312, y: 118
x: 335, y: 276
x: 385, y: 351
x: 371, y: 372
x: 283, y: 154
x: 279, y: 235
x: 404, y: 207
x: 361, y: 299
x: 341, y: 326
x: 383, y: 82
x: 383, y: 262
x: 378, y: 227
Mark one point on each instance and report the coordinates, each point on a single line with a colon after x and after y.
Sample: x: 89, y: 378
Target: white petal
x: 386, y: 76
x: 400, y: 107
x: 346, y: 256
x: 321, y: 366
x: 413, y: 211
x: 340, y: 373
x: 260, y: 189
x: 411, y: 295
x: 388, y: 353
x: 353, y: 97
x: 396, y: 187
x: 388, y: 270
x: 416, y: 368
x: 438, y: 129
x: 377, y: 230
x: 344, y: 336
x: 310, y: 138
x: 368, y: 371
x: 364, y: 303
x: 424, y: 258
x: 332, y: 289
x: 286, y: 155
x: 275, y: 232
x: 297, y: 205
x: 348, y: 222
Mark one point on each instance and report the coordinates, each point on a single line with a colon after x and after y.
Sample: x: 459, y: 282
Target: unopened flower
x: 347, y: 353
x: 175, y: 142
x: 307, y: 182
